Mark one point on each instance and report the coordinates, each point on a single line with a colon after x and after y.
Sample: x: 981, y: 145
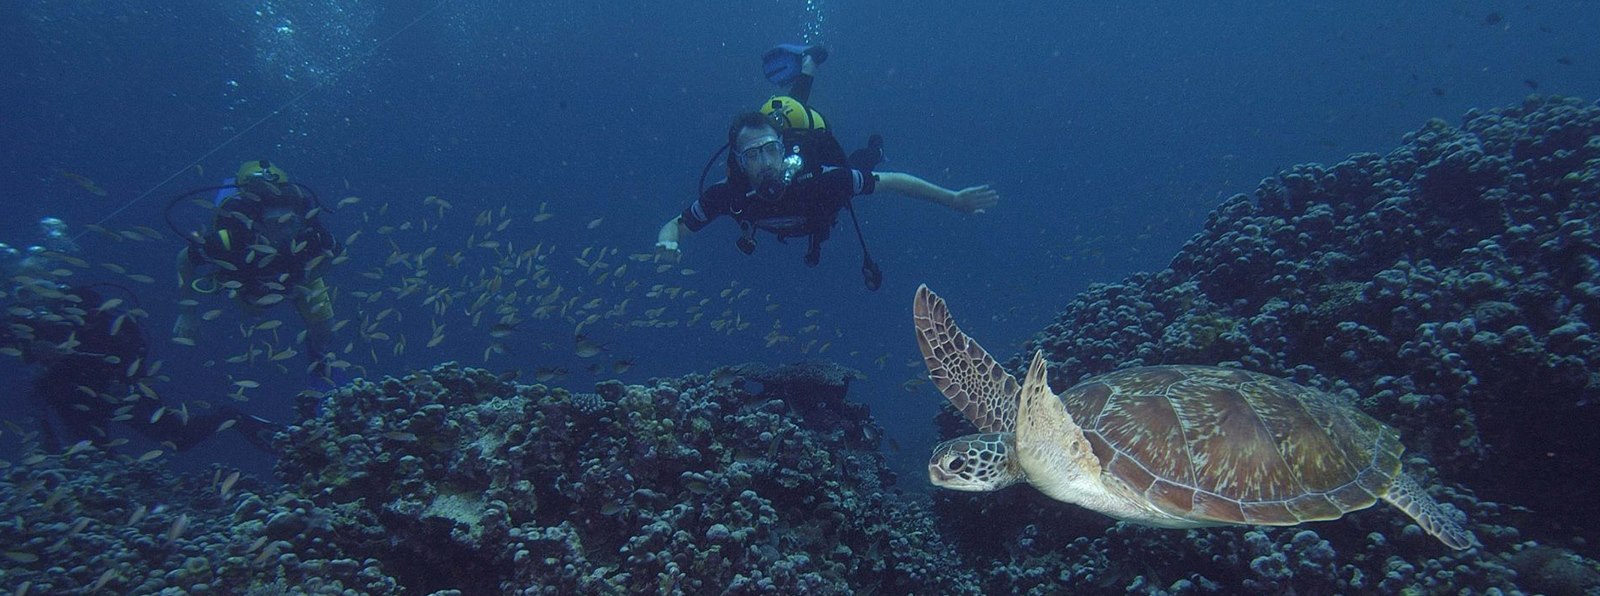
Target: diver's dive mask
x: 768, y: 150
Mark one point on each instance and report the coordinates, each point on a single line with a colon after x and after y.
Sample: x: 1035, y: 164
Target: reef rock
x: 458, y: 480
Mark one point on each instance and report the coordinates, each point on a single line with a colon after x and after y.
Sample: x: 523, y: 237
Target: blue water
x: 1109, y: 130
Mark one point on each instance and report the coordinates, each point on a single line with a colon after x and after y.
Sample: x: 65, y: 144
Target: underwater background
x: 1199, y: 162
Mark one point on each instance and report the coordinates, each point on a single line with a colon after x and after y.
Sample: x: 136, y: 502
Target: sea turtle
x: 1166, y: 446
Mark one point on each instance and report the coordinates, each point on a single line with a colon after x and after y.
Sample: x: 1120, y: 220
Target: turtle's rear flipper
x: 1412, y: 499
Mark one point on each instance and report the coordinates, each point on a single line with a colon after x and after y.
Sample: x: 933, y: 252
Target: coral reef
x: 463, y: 481
x: 90, y: 522
x: 455, y: 481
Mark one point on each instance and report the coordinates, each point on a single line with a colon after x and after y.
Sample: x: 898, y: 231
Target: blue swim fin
x: 781, y: 64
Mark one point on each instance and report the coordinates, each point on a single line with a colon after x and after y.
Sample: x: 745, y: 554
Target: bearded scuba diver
x: 787, y: 175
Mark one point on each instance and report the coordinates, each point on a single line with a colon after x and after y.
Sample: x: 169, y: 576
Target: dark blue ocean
x: 1110, y: 130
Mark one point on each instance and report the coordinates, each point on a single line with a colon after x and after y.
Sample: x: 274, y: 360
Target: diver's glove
x: 667, y: 252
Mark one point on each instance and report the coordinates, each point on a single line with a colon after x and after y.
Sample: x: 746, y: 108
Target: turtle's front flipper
x: 964, y: 372
x: 1412, y: 499
x: 1051, y: 448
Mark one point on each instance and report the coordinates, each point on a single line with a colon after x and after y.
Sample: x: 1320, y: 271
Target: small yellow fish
x: 105, y: 576
x: 178, y: 527
x: 85, y: 183
x: 584, y: 347
x: 255, y: 545
x: 21, y: 556
x: 227, y: 484
x: 76, y: 447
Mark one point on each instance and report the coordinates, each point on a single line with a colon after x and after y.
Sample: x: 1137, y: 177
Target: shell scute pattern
x: 1234, y: 446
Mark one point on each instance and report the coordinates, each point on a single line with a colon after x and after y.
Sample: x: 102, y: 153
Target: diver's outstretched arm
x: 973, y: 199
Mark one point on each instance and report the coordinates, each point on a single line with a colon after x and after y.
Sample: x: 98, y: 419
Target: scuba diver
x: 264, y: 245
x: 787, y: 174
x: 93, y: 354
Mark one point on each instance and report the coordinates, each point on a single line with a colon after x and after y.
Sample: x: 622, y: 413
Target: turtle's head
x: 975, y: 463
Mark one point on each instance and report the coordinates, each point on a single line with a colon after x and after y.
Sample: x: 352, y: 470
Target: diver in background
x: 787, y: 175
x: 92, y: 354
x: 264, y: 245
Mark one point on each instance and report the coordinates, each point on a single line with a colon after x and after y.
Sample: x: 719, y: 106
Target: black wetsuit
x: 241, y: 217
x: 808, y: 207
x: 100, y: 363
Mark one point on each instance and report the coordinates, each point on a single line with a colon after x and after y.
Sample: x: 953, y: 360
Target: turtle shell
x: 1230, y: 446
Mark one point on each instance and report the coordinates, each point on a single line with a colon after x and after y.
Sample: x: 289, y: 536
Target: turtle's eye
x: 956, y: 464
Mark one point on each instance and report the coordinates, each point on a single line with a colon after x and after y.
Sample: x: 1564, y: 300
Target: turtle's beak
x: 943, y: 479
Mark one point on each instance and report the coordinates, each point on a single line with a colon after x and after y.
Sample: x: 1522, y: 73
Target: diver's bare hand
x: 667, y: 252
x: 974, y: 199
